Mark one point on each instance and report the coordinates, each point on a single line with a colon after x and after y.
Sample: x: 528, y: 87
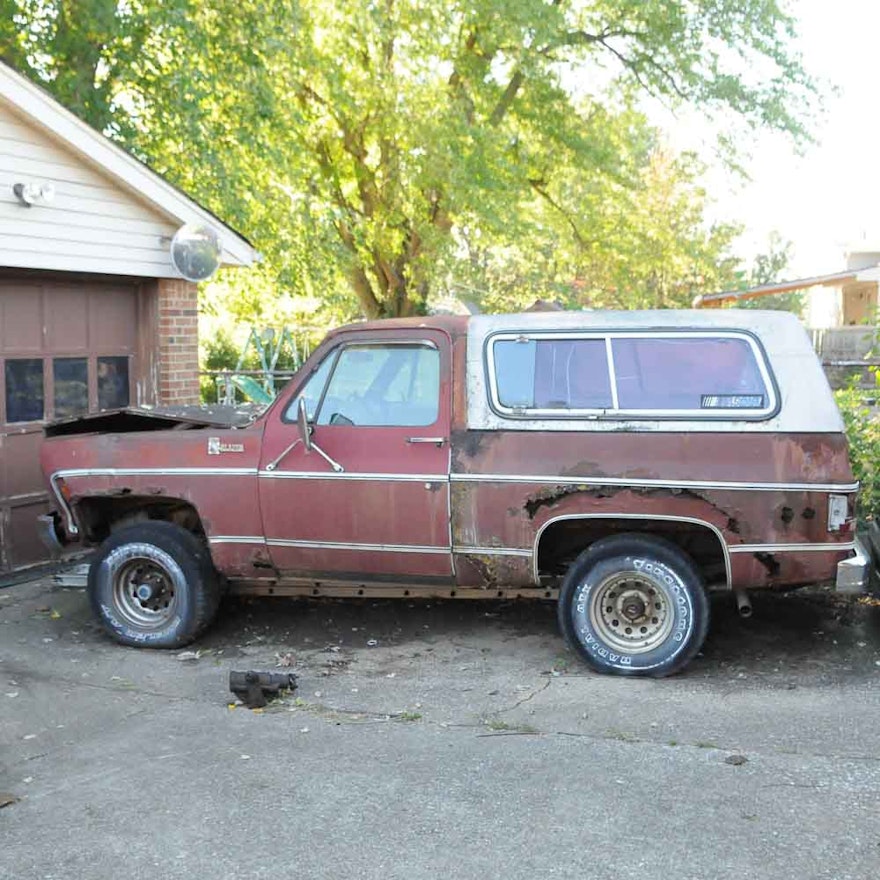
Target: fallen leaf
x: 6, y: 800
x: 55, y: 615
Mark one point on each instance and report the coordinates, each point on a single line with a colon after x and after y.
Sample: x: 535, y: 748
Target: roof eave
x: 93, y: 147
x: 711, y: 300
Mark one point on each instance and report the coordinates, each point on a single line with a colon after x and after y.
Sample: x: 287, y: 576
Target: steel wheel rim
x: 631, y: 613
x: 145, y: 593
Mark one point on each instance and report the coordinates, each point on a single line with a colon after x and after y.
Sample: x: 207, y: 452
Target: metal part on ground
x: 256, y: 689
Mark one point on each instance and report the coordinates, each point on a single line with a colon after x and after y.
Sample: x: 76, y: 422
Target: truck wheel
x: 153, y: 585
x: 634, y: 605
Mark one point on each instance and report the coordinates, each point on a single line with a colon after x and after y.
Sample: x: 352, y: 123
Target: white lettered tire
x: 152, y: 585
x: 634, y: 605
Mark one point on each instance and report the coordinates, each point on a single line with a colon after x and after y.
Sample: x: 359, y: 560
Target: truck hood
x: 163, y: 418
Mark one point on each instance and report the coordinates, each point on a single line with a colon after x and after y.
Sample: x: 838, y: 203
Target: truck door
x: 371, y: 498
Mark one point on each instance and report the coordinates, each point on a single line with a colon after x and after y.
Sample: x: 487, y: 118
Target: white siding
x: 92, y: 225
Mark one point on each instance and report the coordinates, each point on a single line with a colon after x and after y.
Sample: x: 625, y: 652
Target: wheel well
x: 562, y: 541
x: 101, y: 515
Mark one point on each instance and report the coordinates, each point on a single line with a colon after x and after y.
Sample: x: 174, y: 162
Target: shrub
x: 863, y: 431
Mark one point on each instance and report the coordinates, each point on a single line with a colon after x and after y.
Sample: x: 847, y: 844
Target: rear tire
x: 153, y: 585
x: 634, y: 605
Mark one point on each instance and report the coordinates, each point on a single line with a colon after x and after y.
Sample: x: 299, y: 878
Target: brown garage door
x: 65, y: 348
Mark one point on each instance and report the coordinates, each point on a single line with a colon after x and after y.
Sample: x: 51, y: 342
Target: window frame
x: 727, y: 414
x: 51, y: 362
x: 334, y: 355
x: 45, y: 391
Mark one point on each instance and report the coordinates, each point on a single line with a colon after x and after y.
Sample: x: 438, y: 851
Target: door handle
x: 437, y: 441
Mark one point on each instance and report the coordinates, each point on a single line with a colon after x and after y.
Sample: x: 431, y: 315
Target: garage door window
x: 71, y: 380
x: 24, y: 390
x: 112, y: 382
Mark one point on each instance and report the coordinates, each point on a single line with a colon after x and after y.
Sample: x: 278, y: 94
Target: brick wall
x: 178, y: 342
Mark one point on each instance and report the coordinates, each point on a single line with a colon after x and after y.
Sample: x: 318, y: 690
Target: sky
x: 827, y: 200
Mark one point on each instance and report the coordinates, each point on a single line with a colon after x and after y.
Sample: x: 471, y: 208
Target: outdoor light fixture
x: 30, y: 194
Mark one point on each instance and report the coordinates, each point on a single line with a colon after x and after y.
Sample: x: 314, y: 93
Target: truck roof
x: 806, y: 401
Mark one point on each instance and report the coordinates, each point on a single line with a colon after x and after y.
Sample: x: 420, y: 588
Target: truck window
x: 553, y: 374
x: 376, y: 385
x: 716, y: 374
x: 312, y: 390
x: 687, y: 373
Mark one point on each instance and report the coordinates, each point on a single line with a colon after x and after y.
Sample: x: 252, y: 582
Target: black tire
x: 634, y: 605
x: 152, y: 585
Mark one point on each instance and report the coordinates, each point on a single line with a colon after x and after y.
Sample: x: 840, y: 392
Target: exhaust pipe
x: 743, y: 603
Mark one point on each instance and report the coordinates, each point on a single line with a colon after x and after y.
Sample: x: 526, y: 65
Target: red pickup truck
x: 620, y: 463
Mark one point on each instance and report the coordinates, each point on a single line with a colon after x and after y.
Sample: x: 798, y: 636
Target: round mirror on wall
x: 195, y: 251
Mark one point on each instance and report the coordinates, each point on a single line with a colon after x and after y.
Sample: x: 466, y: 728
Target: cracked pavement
x: 438, y: 739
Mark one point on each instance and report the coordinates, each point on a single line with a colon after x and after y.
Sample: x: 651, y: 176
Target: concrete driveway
x: 438, y: 740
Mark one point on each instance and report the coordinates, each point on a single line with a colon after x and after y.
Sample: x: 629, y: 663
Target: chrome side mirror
x: 302, y: 422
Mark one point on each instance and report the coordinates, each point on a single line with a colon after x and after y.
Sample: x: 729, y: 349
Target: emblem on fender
x: 215, y: 446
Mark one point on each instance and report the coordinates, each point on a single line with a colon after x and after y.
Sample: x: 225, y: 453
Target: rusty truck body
x: 620, y: 463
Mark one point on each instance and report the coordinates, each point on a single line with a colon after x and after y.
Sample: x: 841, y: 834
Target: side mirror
x: 302, y: 422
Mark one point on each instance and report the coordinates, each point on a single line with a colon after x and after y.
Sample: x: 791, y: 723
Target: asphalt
x: 438, y: 739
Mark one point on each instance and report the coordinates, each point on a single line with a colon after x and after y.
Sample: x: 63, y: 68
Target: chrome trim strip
x: 140, y: 472
x: 348, y: 475
x: 406, y: 548
x: 332, y: 545
x: 132, y: 472
x: 493, y: 551
x: 236, y: 539
x: 660, y: 517
x: 792, y: 548
x: 660, y: 484
x: 612, y: 373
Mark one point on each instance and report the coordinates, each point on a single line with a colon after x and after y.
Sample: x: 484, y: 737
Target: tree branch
x: 507, y: 98
x: 539, y: 187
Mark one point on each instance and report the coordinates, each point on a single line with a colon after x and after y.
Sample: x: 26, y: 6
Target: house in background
x: 840, y: 309
x: 93, y: 315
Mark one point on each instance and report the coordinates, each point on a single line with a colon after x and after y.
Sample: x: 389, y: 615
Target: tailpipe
x: 743, y: 603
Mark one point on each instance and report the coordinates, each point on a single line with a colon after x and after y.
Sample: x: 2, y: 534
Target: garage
x: 94, y: 314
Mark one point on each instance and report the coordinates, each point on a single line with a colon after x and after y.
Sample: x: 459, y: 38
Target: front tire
x: 634, y: 605
x: 153, y: 585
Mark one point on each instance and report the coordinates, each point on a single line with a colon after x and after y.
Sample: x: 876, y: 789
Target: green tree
x: 768, y: 268
x: 602, y: 244
x: 357, y: 143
